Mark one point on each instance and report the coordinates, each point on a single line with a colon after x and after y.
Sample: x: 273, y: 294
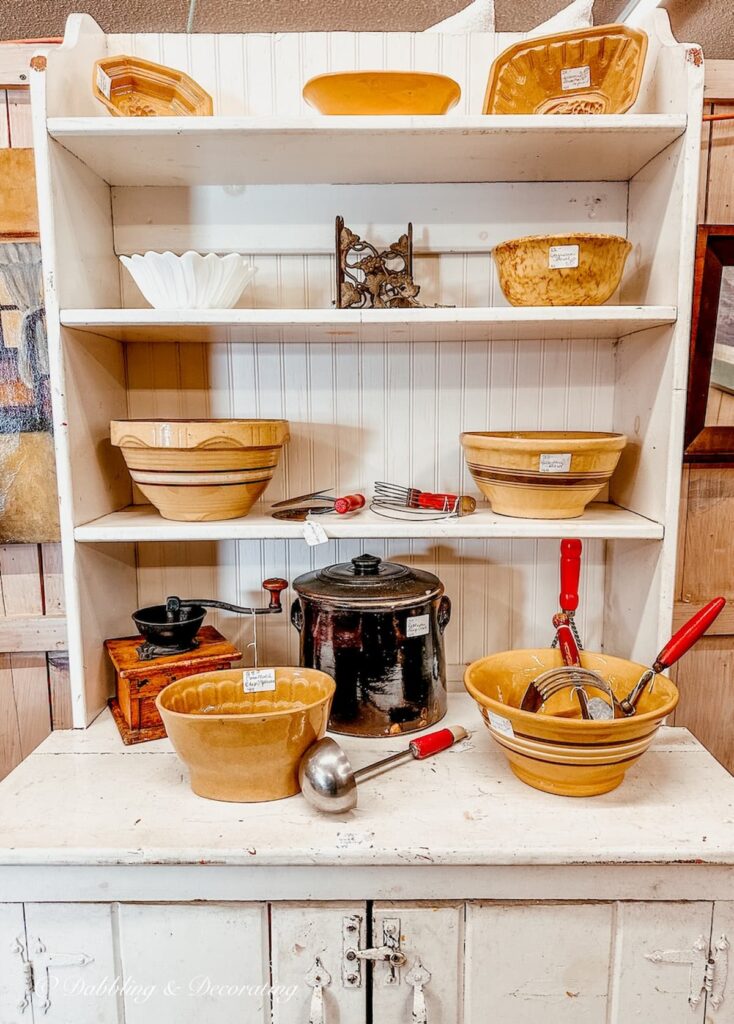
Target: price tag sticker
x: 501, y: 724
x: 256, y: 680
x: 417, y: 625
x: 104, y: 82
x: 576, y: 78
x: 560, y: 463
x: 350, y: 840
x: 314, y: 533
x: 560, y: 256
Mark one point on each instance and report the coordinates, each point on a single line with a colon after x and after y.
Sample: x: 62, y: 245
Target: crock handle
x: 297, y: 614
x: 444, y: 613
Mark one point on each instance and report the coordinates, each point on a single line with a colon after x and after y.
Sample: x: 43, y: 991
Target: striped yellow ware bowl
x: 240, y: 746
x: 201, y: 470
x: 541, y: 474
x: 555, y: 750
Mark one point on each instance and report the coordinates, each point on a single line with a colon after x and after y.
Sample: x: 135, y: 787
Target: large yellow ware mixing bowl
x: 246, y: 747
x: 559, y: 752
x: 382, y: 92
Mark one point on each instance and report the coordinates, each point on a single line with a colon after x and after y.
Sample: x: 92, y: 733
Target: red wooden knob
x: 275, y: 588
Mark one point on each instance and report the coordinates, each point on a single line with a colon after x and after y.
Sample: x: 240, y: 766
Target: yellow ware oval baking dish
x: 382, y: 93
x: 556, y: 753
x: 246, y: 747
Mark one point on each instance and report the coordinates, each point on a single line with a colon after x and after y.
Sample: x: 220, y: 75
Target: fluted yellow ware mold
x: 585, y: 71
x: 246, y: 747
x: 201, y: 470
x: 541, y: 474
x: 555, y: 750
x: 382, y: 92
x: 580, y: 269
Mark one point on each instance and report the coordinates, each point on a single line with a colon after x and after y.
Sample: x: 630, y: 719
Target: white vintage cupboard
x: 124, y: 898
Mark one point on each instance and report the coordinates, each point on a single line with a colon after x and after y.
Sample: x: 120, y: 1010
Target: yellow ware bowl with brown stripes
x: 201, y: 470
x: 541, y: 474
x: 556, y: 750
x: 240, y: 746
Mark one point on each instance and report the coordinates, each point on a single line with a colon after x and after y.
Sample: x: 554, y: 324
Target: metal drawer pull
x: 418, y: 977
x: 318, y: 978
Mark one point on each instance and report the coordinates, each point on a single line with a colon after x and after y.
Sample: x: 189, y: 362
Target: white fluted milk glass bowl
x: 190, y: 281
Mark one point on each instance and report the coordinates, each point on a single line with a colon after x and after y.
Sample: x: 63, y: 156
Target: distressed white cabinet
x: 13, y: 960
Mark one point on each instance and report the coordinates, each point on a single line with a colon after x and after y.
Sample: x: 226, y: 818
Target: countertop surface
x: 82, y: 798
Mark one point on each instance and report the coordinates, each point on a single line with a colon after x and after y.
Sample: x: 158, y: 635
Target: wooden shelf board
x: 443, y: 324
x: 143, y: 523
x: 342, y: 150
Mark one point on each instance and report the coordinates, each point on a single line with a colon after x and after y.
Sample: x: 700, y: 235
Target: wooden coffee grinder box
x: 138, y: 680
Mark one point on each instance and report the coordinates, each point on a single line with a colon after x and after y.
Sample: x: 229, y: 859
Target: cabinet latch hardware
x: 418, y: 977
x: 708, y: 968
x: 19, y: 949
x: 318, y: 978
x: 353, y: 956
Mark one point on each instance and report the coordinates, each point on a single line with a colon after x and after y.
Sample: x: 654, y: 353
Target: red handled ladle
x: 173, y: 626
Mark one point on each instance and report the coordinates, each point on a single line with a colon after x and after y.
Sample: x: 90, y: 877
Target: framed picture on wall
x: 709, y: 436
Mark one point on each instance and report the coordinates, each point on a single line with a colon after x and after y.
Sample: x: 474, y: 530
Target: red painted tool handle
x: 688, y: 634
x: 570, y: 573
x: 446, y: 502
x: 433, y: 743
x: 566, y: 640
x: 349, y: 503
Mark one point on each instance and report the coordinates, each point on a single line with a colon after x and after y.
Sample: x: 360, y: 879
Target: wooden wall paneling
x: 10, y: 745
x: 720, y: 185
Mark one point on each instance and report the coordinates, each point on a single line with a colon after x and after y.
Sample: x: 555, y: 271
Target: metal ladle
x: 329, y: 782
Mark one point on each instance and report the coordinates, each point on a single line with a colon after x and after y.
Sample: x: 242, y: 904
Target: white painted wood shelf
x: 500, y: 323
x: 144, y: 523
x: 362, y: 150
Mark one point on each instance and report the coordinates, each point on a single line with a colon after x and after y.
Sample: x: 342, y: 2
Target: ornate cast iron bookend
x: 367, y: 278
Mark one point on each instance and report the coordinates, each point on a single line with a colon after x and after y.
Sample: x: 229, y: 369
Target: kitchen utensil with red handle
x: 329, y: 782
x: 411, y: 497
x: 349, y: 503
x: 675, y: 648
x: 568, y: 598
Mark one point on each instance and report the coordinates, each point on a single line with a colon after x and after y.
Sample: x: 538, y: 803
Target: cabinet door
x: 190, y: 963
x: 74, y: 974
x: 14, y: 999
x: 720, y: 1004
x: 308, y: 938
x: 431, y: 937
x: 657, y: 965
x: 538, y: 964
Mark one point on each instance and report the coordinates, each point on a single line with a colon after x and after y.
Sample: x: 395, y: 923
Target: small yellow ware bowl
x: 557, y: 751
x: 581, y: 269
x: 541, y: 474
x: 246, y: 747
x: 381, y: 93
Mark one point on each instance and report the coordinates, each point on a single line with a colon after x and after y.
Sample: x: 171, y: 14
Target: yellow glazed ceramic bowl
x: 201, y: 470
x: 382, y: 92
x: 541, y: 474
x: 579, y: 269
x: 246, y: 747
x: 559, y: 752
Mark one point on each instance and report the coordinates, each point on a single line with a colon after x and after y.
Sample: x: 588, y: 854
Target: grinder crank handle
x: 688, y: 634
x: 275, y: 586
x: 570, y: 573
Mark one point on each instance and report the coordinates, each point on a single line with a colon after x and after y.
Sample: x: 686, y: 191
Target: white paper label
x: 104, y: 82
x: 576, y: 78
x: 501, y: 724
x: 417, y: 625
x: 314, y: 533
x: 555, y: 463
x: 257, y: 679
x: 563, y: 256
x: 348, y: 840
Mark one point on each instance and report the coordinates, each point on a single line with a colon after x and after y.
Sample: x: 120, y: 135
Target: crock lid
x: 369, y: 580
